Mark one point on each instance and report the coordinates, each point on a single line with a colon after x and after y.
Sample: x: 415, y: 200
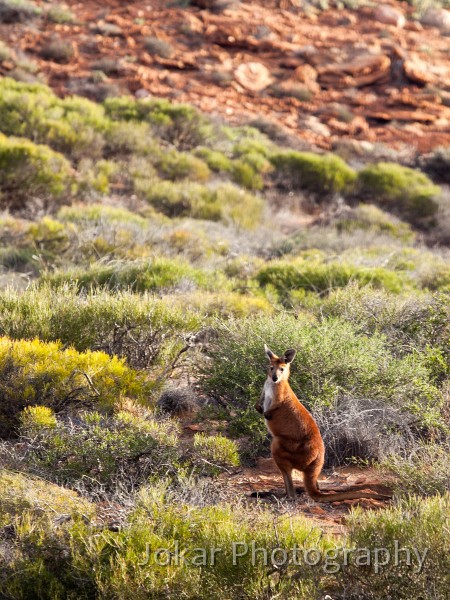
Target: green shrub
x: 60, y: 14
x: 23, y: 494
x: 19, y: 259
x: 225, y: 202
x: 414, y: 524
x: 436, y: 276
x: 72, y: 125
x: 34, y: 372
x: 94, y: 214
x: 113, y: 563
x: 128, y: 446
x: 96, y: 177
x: 124, y: 138
x: 400, y: 189
x: 312, y: 275
x: 372, y: 219
x: 157, y: 275
x: 251, y: 145
x: 18, y: 11
x: 180, y: 165
x: 179, y: 124
x: 31, y: 170
x: 320, y: 175
x: 408, y: 322
x: 238, y: 207
x: 244, y: 174
x: 225, y: 304
x: 423, y: 472
x: 179, y: 199
x: 143, y: 329
x: 213, y: 453
x: 49, y: 235
x: 216, y: 160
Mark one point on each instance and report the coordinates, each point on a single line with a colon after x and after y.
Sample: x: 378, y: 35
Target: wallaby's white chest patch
x: 269, y: 395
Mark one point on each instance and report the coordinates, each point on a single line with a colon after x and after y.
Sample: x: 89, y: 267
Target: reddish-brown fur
x: 296, y: 440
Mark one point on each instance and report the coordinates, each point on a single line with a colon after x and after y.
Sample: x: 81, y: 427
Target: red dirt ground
x: 369, y: 81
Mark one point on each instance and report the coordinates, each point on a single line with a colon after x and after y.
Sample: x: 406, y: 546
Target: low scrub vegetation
x: 29, y: 169
x: 157, y: 275
x: 334, y: 362
x: 319, y: 175
x: 34, y: 372
x: 145, y: 330
x: 16, y: 11
x: 321, y: 277
x: 34, y: 497
x: 161, y: 517
x: 147, y: 253
x: 400, y: 189
x: 103, y: 451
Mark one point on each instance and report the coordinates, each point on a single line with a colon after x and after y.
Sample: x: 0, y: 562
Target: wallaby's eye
x: 281, y: 369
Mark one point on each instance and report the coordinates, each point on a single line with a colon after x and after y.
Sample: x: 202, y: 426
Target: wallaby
x: 296, y: 440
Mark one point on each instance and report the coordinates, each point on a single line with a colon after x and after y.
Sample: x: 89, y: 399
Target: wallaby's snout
x: 274, y: 378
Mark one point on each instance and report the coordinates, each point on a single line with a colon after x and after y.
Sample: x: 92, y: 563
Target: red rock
x: 384, y: 13
x: 360, y: 480
x: 308, y: 75
x: 317, y: 510
x: 418, y: 72
x: 362, y: 70
x: 437, y: 17
x: 253, y: 76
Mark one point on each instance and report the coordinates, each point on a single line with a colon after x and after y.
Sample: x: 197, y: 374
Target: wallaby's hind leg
x: 289, y: 484
x: 310, y: 476
x: 285, y: 466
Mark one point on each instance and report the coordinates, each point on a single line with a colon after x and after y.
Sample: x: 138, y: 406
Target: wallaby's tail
x: 314, y: 492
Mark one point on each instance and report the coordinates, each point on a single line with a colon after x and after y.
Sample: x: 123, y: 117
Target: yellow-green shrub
x: 31, y: 169
x: 100, y: 320
x: 214, y: 452
x: 372, y: 219
x: 95, y: 213
x: 421, y: 525
x: 224, y: 304
x: 73, y: 125
x: 180, y: 124
x: 34, y: 372
x: 34, y: 419
x: 216, y: 160
x: 321, y: 277
x: 406, y: 191
x: 157, y: 275
x: 21, y: 493
x: 181, y: 165
x: 321, y: 175
x: 126, y: 445
x: 225, y: 202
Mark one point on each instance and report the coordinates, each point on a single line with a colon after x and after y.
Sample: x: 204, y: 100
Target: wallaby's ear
x: 269, y: 352
x: 289, y: 355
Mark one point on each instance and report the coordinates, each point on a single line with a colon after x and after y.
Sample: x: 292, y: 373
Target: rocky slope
x: 379, y: 73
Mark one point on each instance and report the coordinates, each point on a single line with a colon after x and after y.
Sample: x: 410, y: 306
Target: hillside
x: 357, y: 73
x: 160, y: 221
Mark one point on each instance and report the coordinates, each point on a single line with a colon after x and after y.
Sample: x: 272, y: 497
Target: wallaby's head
x: 279, y: 367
